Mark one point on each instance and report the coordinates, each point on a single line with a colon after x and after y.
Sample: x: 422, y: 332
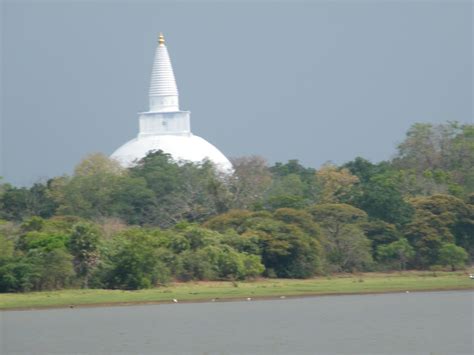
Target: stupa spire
x: 164, y: 127
x: 163, y: 89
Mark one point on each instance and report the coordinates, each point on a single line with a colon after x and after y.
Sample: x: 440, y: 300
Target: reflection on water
x: 414, y: 323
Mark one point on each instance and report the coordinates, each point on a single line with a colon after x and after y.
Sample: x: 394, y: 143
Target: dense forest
x: 109, y: 227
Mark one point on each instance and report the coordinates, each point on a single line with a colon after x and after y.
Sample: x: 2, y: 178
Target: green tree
x: 18, y: 274
x: 449, y: 213
x: 232, y: 220
x: 135, y: 262
x: 347, y: 248
x: 88, y: 193
x: 332, y: 216
x: 6, y: 242
x: 382, y: 199
x: 445, y: 147
x: 302, y: 219
x: 399, y: 251
x: 286, y: 250
x: 182, y: 190
x: 453, y: 256
x: 380, y: 233
x: 132, y: 201
x: 56, y: 269
x: 287, y: 191
x: 195, y: 265
x: 293, y: 186
x: 84, y: 244
x: 19, y: 203
x: 438, y: 219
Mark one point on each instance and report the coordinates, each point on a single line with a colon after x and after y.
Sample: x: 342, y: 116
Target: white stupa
x: 165, y: 127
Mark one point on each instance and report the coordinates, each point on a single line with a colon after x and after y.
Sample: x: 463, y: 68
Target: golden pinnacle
x: 161, y: 39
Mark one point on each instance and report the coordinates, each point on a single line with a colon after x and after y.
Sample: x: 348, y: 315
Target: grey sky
x: 316, y: 81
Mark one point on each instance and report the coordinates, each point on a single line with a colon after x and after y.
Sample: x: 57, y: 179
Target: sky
x: 316, y: 81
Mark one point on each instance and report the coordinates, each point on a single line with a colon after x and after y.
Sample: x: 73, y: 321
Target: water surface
x: 414, y: 323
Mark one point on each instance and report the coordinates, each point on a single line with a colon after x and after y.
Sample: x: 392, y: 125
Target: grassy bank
x: 266, y: 288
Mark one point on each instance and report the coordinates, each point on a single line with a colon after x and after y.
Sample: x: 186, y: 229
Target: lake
x: 403, y: 323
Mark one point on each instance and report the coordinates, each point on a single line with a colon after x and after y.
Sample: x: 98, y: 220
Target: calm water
x: 414, y: 323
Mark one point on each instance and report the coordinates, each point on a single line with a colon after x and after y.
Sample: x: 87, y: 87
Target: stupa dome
x: 165, y: 127
x: 182, y: 148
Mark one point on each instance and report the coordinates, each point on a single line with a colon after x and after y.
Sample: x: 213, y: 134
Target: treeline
x: 109, y: 227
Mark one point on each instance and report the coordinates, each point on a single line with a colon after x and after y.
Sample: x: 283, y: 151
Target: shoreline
x: 226, y: 299
x: 256, y: 290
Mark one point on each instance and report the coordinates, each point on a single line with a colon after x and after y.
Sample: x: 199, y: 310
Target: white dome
x: 165, y: 127
x: 181, y: 147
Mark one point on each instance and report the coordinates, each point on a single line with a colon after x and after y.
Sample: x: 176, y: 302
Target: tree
x: 380, y: 233
x: 302, y: 219
x: 293, y: 186
x: 399, y: 251
x: 445, y: 147
x: 381, y: 199
x: 182, y: 190
x: 232, y: 220
x: 84, y: 245
x: 55, y: 266
x: 132, y: 201
x: 19, y: 203
x: 439, y: 219
x: 41, y: 242
x: 332, y: 216
x: 217, y: 262
x: 18, y: 274
x: 6, y: 241
x: 293, y: 167
x: 421, y: 148
x: 135, y: 262
x: 335, y: 183
x: 88, y: 193
x: 286, y: 250
x: 195, y: 265
x: 364, y: 169
x: 427, y: 237
x: 347, y: 248
x: 452, y: 255
x: 249, y: 182
x: 288, y: 191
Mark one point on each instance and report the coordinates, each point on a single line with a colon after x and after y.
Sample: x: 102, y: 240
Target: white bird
x: 407, y: 291
x: 249, y: 299
x: 282, y: 297
x: 175, y: 300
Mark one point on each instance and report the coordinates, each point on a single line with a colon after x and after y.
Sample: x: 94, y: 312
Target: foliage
x: 380, y: 233
x: 84, y: 246
x: 382, y: 199
x: 135, y: 262
x: 452, y: 255
x: 439, y: 219
x: 161, y: 220
x: 347, y: 247
x: 399, y: 251
x: 335, y: 184
x: 182, y: 190
x: 19, y: 203
x: 249, y: 182
x: 285, y: 248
